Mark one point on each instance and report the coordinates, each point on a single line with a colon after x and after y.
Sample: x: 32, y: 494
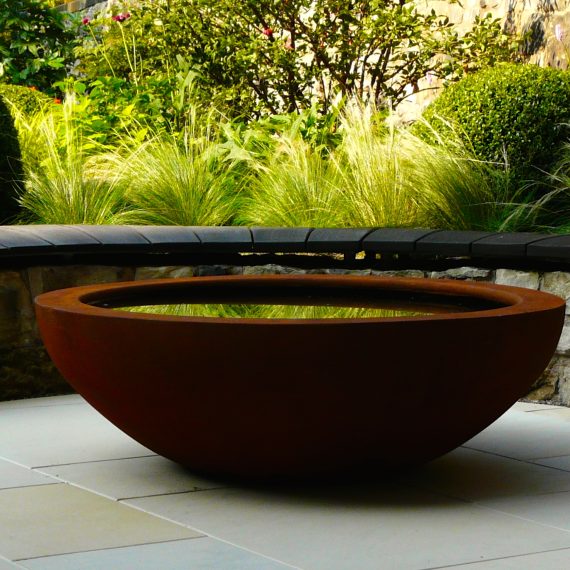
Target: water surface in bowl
x: 305, y: 301
x: 263, y: 311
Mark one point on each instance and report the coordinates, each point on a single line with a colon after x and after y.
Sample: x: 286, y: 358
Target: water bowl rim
x: 514, y: 300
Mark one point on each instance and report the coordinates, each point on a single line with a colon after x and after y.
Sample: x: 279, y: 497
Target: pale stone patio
x: 77, y: 494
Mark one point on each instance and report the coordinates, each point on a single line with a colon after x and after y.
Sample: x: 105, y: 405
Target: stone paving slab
x: 460, y: 474
x: 525, y: 436
x: 129, y: 478
x: 53, y: 435
x: 12, y: 475
x: 554, y: 560
x: 69, y: 400
x: 195, y: 554
x: 7, y: 565
x: 523, y: 405
x: 562, y: 462
x: 58, y: 519
x: 550, y: 509
x: 386, y: 526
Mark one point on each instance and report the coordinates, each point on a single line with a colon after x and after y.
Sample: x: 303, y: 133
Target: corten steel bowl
x: 262, y: 398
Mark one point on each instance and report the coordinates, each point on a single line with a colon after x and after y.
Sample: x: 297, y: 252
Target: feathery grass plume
x: 554, y: 206
x: 374, y: 168
x: 459, y: 191
x: 394, y: 178
x: 185, y: 180
x: 61, y: 186
x: 296, y: 185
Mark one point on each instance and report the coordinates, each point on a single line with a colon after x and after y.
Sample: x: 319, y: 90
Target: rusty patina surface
x: 270, y: 398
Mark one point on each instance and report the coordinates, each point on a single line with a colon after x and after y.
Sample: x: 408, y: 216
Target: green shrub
x: 109, y: 108
x: 27, y: 100
x: 10, y: 162
x: 10, y: 156
x: 511, y: 114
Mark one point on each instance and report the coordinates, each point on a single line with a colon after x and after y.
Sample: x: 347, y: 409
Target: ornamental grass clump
x: 374, y: 171
x: 296, y: 185
x: 381, y: 176
x: 456, y: 190
x: 553, y: 209
x: 394, y: 178
x: 63, y: 184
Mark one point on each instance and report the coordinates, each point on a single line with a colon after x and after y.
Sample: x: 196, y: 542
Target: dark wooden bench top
x: 85, y: 244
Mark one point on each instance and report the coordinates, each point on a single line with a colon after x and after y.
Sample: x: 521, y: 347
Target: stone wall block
x: 17, y: 319
x: 401, y: 273
x: 166, y: 272
x: 557, y: 283
x: 272, y: 269
x: 28, y: 372
x: 526, y: 279
x: 464, y: 273
x: 547, y: 386
x: 87, y: 7
x: 454, y: 12
x: 212, y: 270
x: 563, y: 347
x: 360, y: 272
x: 561, y: 369
x: 43, y: 279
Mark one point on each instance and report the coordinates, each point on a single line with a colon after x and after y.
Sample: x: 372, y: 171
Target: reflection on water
x: 254, y: 311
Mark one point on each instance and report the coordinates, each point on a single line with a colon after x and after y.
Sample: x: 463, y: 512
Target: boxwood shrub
x: 514, y: 112
x: 10, y: 159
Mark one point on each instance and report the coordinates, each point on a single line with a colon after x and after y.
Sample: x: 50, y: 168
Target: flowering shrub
x: 261, y: 56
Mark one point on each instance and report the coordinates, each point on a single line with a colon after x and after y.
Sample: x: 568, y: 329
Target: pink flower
x: 85, y: 21
x: 558, y: 32
x: 121, y: 17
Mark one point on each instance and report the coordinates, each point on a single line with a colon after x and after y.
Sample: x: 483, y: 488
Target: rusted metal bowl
x: 288, y: 398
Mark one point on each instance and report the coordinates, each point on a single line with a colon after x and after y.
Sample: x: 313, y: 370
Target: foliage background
x: 37, y: 43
